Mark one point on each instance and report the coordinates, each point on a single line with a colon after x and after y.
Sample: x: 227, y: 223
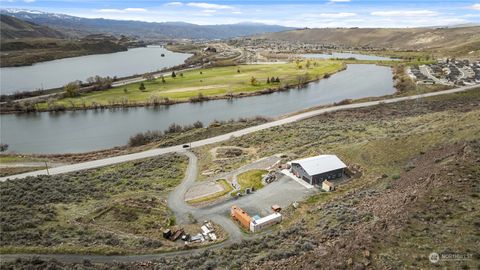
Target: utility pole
x: 46, y: 167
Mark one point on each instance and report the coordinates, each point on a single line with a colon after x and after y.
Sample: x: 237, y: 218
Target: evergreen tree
x: 141, y: 87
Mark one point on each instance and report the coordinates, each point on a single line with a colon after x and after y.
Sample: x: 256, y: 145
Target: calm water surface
x: 80, y: 131
x: 57, y: 73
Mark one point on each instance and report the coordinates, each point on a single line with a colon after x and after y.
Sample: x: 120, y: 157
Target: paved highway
x: 225, y: 137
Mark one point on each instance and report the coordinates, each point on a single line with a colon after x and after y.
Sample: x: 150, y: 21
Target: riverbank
x: 120, y: 67
x: 400, y: 125
x: 114, y: 159
x: 28, y: 51
x: 193, y: 86
x: 60, y: 132
x: 138, y: 142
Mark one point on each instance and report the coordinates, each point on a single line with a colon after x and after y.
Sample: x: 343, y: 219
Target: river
x: 346, y: 56
x: 56, y: 73
x: 80, y: 131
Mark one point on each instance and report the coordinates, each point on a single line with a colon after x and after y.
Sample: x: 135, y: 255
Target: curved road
x: 176, y: 202
x: 183, y: 211
x: 225, y: 137
x: 217, y: 213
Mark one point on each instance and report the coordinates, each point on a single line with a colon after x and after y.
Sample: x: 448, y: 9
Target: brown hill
x: 13, y: 28
x: 450, y: 39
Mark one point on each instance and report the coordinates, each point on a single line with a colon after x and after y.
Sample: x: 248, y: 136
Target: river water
x: 56, y: 73
x: 346, y: 56
x: 80, y: 131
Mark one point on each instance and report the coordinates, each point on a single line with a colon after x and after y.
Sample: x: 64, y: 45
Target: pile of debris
x: 207, y: 234
x: 173, y: 235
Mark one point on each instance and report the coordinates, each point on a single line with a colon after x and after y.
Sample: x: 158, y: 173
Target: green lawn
x: 18, y: 159
x: 252, y: 178
x: 209, y: 82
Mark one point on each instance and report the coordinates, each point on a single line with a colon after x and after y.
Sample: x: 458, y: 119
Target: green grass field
x: 209, y: 82
x: 252, y: 178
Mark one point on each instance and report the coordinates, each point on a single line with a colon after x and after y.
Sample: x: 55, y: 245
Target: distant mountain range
x: 77, y: 26
x: 25, y: 43
x: 13, y: 28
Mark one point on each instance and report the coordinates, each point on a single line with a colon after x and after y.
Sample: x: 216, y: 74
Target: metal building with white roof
x: 315, y: 170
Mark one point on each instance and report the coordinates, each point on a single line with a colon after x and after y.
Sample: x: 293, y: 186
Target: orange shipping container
x: 241, y: 216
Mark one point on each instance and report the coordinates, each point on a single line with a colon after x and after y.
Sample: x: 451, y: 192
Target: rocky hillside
x: 417, y: 193
x: 13, y: 28
x: 26, y: 43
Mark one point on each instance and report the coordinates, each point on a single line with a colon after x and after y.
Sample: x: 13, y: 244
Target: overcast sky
x: 328, y: 13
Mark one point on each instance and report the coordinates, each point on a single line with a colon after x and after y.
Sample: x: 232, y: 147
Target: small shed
x: 328, y: 186
x: 167, y: 233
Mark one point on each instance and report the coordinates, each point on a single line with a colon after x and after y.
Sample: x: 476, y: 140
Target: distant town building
x: 314, y: 170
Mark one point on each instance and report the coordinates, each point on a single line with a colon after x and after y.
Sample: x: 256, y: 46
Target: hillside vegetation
x: 11, y: 27
x: 116, y: 209
x: 418, y: 193
x: 79, y: 26
x: 457, y: 41
x: 25, y: 43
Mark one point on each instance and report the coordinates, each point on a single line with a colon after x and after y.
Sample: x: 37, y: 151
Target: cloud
x: 28, y: 1
x: 209, y: 10
x: 337, y: 15
x: 339, y: 1
x: 125, y: 10
x: 177, y: 4
x: 135, y: 10
x: 208, y: 6
x: 475, y: 7
x: 237, y: 12
x: 405, y: 13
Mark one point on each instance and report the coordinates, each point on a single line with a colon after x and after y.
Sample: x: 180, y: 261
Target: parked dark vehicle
x: 186, y: 146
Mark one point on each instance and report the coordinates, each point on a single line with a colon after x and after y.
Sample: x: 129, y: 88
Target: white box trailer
x: 264, y: 222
